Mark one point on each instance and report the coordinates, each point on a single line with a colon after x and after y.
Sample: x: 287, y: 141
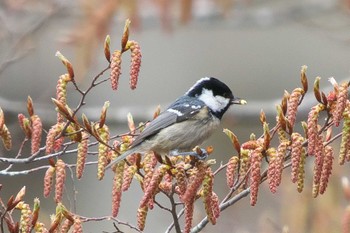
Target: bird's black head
x: 215, y: 94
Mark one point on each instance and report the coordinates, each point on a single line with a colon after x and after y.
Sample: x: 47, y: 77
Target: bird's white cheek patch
x: 215, y: 103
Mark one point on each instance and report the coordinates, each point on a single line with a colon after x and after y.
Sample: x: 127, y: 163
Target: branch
x: 223, y: 206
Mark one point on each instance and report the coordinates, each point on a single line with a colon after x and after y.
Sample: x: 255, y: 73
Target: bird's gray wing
x: 165, y: 119
x: 176, y: 112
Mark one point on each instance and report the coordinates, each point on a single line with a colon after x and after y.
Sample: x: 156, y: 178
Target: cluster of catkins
x: 293, y: 148
x: 69, y: 127
x: 185, y: 176
x: 189, y: 178
x: 62, y: 220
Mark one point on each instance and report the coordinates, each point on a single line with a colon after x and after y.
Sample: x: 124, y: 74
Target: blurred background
x: 257, y: 47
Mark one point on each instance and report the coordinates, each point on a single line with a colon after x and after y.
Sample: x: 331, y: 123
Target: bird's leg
x: 198, y: 152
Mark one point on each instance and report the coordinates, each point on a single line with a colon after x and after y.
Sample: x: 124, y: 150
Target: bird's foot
x: 197, y: 152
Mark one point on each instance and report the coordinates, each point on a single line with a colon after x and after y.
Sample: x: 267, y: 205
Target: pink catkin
x: 117, y: 188
x: 115, y: 69
x: 48, y: 180
x: 340, y: 103
x: 24, y: 123
x: 36, y: 133
x: 61, y: 93
x: 319, y: 157
x: 255, y: 175
x: 297, y: 141
x: 81, y: 155
x: 135, y: 63
x: 292, y: 106
x: 180, y: 177
x: 50, y: 138
x: 215, y: 204
x: 194, y: 183
x: 152, y: 186
x: 128, y: 176
x: 231, y: 170
x: 60, y: 179
x: 345, y: 140
x: 141, y: 217
x: 189, y: 208
x: 77, y: 227
x: 281, y: 152
x: 326, y: 168
x: 312, y: 130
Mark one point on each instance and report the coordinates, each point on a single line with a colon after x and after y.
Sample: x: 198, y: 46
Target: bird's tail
x: 121, y: 157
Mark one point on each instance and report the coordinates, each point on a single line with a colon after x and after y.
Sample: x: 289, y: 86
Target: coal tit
x: 187, y: 122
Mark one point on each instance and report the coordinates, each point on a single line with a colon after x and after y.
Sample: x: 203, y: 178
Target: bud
x: 30, y: 107
x: 87, y: 123
x: 234, y: 139
x: 103, y: 114
x: 281, y: 120
x: 36, y: 210
x: 303, y: 78
x: 284, y: 102
x: 24, y: 123
x: 267, y: 136
x: 107, y: 49
x: 20, y: 194
x: 6, y: 137
x: 317, y: 92
x: 64, y: 110
x: 66, y: 63
x: 125, y: 37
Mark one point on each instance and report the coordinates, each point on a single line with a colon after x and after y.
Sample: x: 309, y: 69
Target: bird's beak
x: 238, y: 101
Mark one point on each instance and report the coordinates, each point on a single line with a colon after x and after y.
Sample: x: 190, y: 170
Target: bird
x: 187, y: 122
